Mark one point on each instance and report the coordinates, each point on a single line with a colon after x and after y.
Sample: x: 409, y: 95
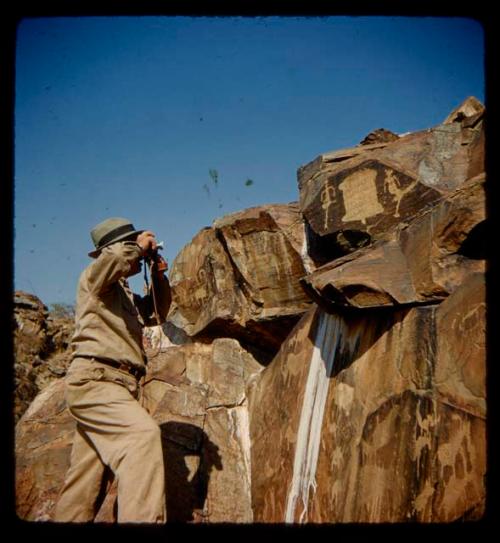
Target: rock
x: 241, y: 278
x: 460, y: 351
x: 41, y: 346
x: 160, y: 338
x: 58, y: 352
x: 373, y: 418
x: 25, y: 389
x: 381, y: 135
x: 372, y: 188
x: 30, y: 326
x: 43, y: 441
x: 470, y: 107
x: 197, y: 394
x: 424, y: 261
x: 30, y: 343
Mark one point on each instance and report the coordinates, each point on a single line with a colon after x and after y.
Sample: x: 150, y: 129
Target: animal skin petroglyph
x: 360, y: 196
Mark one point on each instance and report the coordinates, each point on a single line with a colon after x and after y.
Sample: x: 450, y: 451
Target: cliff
x: 323, y: 360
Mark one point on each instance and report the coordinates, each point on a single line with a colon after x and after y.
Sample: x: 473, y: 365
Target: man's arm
x: 114, y: 262
x: 160, y: 303
x: 160, y: 289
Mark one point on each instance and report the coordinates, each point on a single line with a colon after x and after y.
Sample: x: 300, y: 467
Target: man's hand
x: 147, y: 242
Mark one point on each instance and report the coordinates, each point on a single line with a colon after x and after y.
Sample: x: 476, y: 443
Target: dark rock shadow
x: 186, y: 492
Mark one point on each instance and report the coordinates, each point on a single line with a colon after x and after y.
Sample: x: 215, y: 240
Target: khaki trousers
x: 112, y: 430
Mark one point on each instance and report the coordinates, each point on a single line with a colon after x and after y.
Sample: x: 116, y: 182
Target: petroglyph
x: 328, y: 196
x: 360, y: 196
x: 200, y: 294
x: 392, y: 185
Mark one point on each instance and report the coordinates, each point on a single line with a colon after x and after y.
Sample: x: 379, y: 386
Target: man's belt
x: 136, y: 372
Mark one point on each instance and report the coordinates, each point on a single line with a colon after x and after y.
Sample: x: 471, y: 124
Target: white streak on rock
x: 243, y: 433
x: 330, y: 333
x: 306, y: 260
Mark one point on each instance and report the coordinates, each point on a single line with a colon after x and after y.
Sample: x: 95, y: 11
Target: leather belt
x: 136, y: 372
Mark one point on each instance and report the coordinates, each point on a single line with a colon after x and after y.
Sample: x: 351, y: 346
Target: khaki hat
x: 110, y: 231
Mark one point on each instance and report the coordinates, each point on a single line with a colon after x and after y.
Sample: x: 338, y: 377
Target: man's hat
x: 110, y: 231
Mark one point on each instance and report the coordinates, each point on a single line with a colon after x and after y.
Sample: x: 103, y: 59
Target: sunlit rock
x: 423, y: 261
x: 241, y: 278
x: 197, y: 394
x: 40, y: 348
x: 363, y: 192
x: 374, y: 418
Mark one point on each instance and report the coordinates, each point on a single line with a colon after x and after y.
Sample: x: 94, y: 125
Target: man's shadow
x: 189, y: 457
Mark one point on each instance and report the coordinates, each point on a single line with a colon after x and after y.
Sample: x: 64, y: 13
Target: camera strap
x: 153, y: 293
x: 149, y: 288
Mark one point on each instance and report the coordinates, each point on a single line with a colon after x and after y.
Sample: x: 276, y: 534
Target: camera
x: 156, y: 259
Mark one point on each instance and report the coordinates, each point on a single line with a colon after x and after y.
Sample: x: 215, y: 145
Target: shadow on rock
x: 189, y: 458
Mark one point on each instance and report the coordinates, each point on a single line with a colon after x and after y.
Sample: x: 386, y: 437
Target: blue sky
x: 127, y: 116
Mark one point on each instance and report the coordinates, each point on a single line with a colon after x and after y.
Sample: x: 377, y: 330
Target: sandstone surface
x: 423, y: 261
x: 381, y: 135
x: 378, y: 417
x: 196, y: 393
x: 240, y: 278
x: 40, y: 348
x: 365, y: 191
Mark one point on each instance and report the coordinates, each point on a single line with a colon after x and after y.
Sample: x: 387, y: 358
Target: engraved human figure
x: 393, y: 185
x: 327, y: 199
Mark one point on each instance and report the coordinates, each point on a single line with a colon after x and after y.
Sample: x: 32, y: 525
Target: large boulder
x: 240, y: 278
x: 375, y: 417
x: 197, y: 394
x: 423, y: 261
x: 353, y: 197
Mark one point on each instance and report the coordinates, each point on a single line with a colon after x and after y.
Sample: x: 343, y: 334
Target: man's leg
x: 78, y: 498
x: 129, y: 441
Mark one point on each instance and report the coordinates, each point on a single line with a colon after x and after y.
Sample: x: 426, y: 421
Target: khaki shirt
x: 109, y: 318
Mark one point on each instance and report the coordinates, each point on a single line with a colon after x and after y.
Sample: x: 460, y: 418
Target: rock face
x: 196, y: 393
x: 471, y: 109
x: 321, y: 363
x: 40, y: 347
x: 424, y: 261
x: 241, y: 277
x: 375, y: 418
x: 381, y: 135
x: 364, y: 192
x: 43, y: 441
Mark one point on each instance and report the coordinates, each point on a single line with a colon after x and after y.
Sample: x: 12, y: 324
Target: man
x: 102, y: 383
